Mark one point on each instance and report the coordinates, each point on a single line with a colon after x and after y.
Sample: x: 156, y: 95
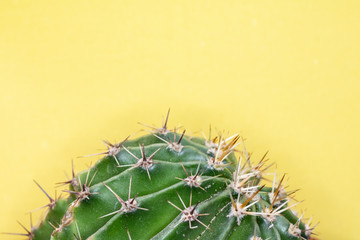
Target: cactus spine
x: 167, y: 185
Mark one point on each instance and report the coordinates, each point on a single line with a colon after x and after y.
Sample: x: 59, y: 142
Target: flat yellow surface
x: 285, y: 74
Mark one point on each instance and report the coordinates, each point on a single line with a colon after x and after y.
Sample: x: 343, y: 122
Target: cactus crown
x: 167, y: 185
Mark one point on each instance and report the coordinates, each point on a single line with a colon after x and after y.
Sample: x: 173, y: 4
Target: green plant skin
x: 162, y: 220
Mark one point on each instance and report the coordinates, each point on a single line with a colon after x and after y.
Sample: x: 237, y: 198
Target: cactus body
x: 171, y: 186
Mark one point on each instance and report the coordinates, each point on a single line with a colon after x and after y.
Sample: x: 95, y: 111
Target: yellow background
x: 285, y: 74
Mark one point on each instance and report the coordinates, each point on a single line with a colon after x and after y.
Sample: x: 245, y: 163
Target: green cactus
x: 166, y: 185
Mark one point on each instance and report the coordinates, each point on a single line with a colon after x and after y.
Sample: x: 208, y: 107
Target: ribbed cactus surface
x: 167, y: 185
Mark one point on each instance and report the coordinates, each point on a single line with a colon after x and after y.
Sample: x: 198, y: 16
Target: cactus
x: 167, y: 185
